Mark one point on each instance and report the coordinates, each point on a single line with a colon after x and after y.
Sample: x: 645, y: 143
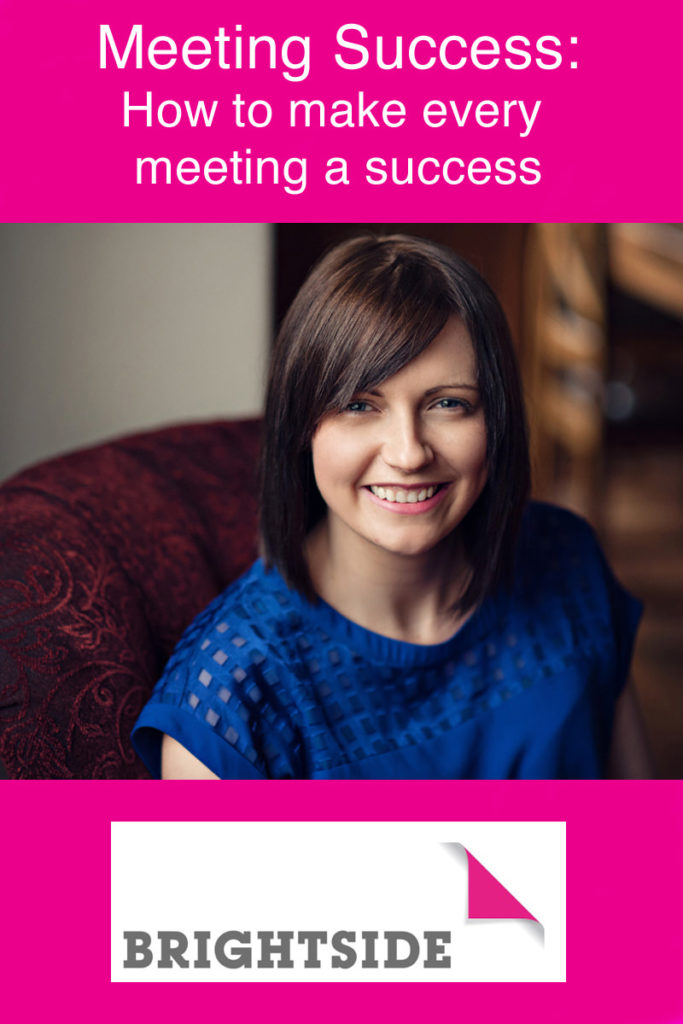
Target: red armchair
x: 106, y: 555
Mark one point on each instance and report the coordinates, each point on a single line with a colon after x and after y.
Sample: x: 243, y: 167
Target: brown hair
x: 369, y: 307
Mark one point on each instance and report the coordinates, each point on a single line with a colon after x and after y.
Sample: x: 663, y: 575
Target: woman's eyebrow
x: 430, y: 391
x: 460, y: 386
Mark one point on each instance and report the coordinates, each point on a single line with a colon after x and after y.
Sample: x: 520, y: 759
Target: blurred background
x: 109, y: 329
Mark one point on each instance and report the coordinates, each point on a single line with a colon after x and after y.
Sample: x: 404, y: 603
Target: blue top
x: 265, y: 684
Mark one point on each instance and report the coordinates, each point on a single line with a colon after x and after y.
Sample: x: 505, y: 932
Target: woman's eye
x: 451, y: 403
x: 357, y: 406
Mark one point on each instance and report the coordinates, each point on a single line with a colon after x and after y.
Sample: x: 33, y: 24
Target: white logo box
x: 195, y: 882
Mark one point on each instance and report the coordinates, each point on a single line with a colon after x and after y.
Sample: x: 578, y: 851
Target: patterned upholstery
x: 106, y: 555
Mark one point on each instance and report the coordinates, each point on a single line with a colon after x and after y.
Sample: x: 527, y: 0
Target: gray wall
x: 106, y: 329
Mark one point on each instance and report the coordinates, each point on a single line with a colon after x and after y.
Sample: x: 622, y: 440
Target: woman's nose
x: 405, y: 447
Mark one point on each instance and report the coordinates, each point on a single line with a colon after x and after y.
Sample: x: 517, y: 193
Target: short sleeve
x: 586, y: 614
x: 209, y: 748
x: 625, y: 612
x: 219, y: 697
x: 612, y: 613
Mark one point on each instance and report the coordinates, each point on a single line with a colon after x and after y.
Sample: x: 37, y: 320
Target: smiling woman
x: 399, y: 468
x: 413, y: 616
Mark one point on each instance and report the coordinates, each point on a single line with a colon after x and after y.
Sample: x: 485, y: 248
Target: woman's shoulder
x: 565, y: 587
x: 556, y: 522
x: 554, y: 542
x: 224, y: 694
x: 251, y: 616
x: 562, y: 571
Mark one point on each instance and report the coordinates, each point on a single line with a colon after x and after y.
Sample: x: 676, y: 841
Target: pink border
x: 624, y: 898
x: 611, y: 152
x: 605, y: 134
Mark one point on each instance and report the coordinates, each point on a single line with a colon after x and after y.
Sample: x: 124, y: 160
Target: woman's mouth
x: 407, y: 500
x: 403, y: 495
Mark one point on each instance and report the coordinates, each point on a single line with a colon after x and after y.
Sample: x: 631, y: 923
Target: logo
x: 338, y: 901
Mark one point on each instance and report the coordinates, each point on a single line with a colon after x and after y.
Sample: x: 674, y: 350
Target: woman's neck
x: 406, y: 597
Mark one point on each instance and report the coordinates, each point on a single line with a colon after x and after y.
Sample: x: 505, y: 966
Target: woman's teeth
x: 389, y: 494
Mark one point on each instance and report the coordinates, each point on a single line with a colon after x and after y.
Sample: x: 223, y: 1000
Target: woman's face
x: 401, y: 466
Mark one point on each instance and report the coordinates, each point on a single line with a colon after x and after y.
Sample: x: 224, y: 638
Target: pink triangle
x: 487, y: 898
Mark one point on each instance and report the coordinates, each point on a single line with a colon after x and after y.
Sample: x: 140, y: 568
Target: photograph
x: 341, y: 501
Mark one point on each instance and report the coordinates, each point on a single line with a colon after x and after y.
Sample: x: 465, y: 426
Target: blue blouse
x: 264, y: 684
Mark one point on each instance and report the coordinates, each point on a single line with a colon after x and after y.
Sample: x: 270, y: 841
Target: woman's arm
x: 179, y: 763
x: 629, y: 754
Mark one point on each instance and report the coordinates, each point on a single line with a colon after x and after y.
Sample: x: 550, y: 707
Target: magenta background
x: 610, y: 143
x: 608, y: 134
x: 624, y: 900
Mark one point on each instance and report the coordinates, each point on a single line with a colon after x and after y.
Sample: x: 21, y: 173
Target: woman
x: 413, y: 615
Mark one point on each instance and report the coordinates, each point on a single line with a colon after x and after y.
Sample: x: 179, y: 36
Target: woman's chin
x: 412, y: 547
